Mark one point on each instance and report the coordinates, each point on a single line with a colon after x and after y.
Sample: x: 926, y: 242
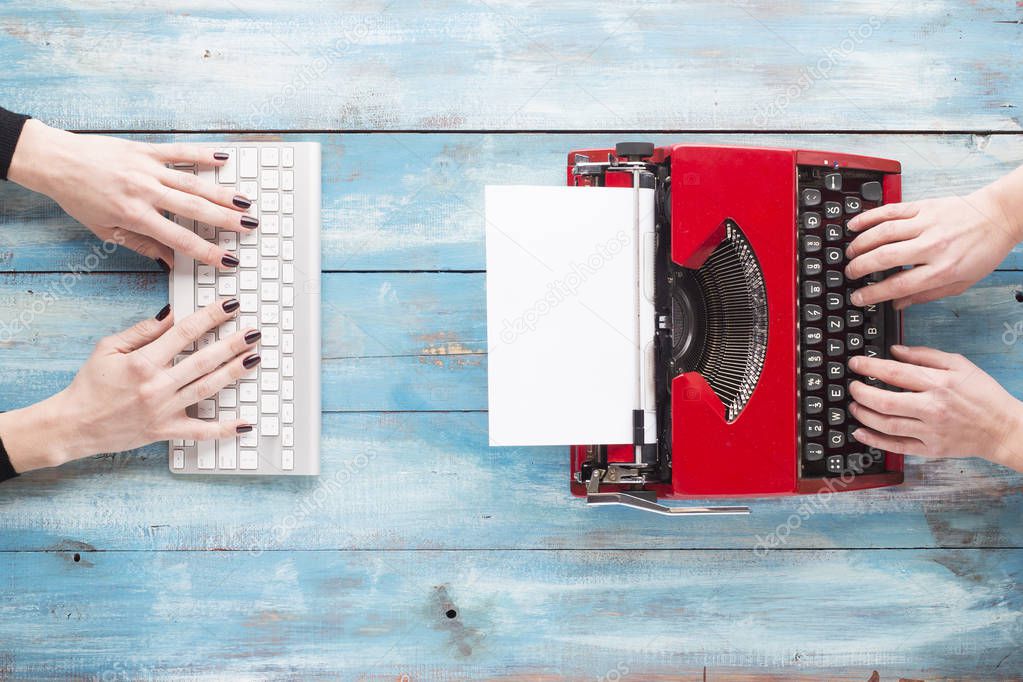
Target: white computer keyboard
x: 277, y: 284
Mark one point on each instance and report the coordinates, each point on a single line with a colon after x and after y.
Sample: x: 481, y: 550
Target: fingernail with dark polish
x: 251, y: 361
x: 253, y: 336
x: 244, y: 428
x: 240, y: 201
x: 229, y: 261
x: 164, y: 312
x: 250, y: 222
x: 163, y: 264
x: 220, y: 156
x: 231, y: 305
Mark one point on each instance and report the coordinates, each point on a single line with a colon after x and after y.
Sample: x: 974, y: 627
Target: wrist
x: 1006, y: 196
x: 1009, y: 451
x: 40, y: 435
x: 34, y: 165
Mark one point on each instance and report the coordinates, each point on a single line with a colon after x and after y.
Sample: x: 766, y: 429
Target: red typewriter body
x: 705, y: 193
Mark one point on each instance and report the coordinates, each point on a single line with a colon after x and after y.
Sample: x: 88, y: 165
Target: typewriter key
x: 811, y: 220
x: 812, y: 266
x: 835, y: 347
x: 836, y: 416
x: 812, y: 288
x: 836, y: 370
x: 871, y: 191
x: 853, y: 318
x: 853, y: 205
x: 813, y: 358
x: 871, y: 331
x: 834, y: 301
x: 833, y: 232
x: 834, y: 279
x: 814, y: 405
x: 833, y: 255
x: 836, y: 439
x: 834, y: 464
x: 832, y: 209
x: 814, y: 452
x: 811, y: 243
x: 814, y: 428
x: 853, y: 341
x: 812, y: 313
x: 836, y: 392
x: 812, y: 336
x: 811, y: 197
x: 813, y: 381
x: 833, y: 181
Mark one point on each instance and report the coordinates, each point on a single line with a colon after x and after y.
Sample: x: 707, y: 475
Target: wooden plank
x: 399, y: 341
x: 548, y: 615
x: 429, y: 481
x: 467, y: 65
x: 415, y: 202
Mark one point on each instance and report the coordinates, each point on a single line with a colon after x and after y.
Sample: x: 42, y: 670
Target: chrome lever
x: 627, y: 500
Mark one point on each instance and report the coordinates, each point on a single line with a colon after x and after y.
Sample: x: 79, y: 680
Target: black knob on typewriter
x: 634, y: 151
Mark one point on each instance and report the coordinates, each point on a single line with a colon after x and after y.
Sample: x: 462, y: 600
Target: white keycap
x: 288, y: 157
x: 269, y: 246
x: 270, y: 202
x: 248, y: 258
x: 228, y: 397
x: 288, y: 412
x: 288, y: 273
x: 287, y: 180
x: 205, y: 274
x: 288, y: 203
x: 269, y: 268
x: 287, y: 436
x: 204, y: 296
x: 249, y: 238
x: 269, y: 426
x: 269, y: 291
x: 288, y: 250
x: 250, y: 190
x: 207, y: 409
x: 206, y: 454
x: 227, y: 286
x: 270, y: 313
x: 228, y: 328
x: 287, y: 460
x: 186, y: 223
x: 248, y: 413
x: 270, y: 156
x: 288, y: 226
x: 189, y: 443
x: 228, y: 240
x: 178, y: 443
x: 249, y: 440
x: 288, y: 366
x: 179, y: 459
x: 247, y: 162
x: 246, y: 321
x: 249, y: 303
x: 269, y: 381
x: 287, y: 390
x: 271, y: 358
x: 248, y: 460
x: 269, y: 224
x: 206, y: 340
x: 287, y: 343
x: 271, y: 336
x: 288, y: 297
x: 228, y: 173
x: 269, y: 179
x: 227, y: 448
x: 205, y: 231
x: 249, y: 280
x: 288, y: 320
x: 269, y: 404
x: 247, y: 391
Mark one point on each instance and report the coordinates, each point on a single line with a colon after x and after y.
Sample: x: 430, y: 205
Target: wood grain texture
x: 541, y: 615
x: 460, y: 64
x: 415, y: 202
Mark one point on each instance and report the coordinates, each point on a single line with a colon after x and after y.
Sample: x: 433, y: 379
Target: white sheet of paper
x: 561, y: 329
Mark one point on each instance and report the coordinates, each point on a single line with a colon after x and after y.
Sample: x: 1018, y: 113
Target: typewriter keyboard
x: 832, y: 329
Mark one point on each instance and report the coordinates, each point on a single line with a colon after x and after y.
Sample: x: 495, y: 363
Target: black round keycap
x: 637, y: 150
x: 814, y: 452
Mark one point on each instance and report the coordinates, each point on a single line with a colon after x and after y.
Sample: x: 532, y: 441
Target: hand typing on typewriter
x: 951, y: 243
x: 948, y: 407
x: 119, y: 188
x: 129, y: 393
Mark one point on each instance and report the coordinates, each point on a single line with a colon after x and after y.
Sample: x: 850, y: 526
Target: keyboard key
x: 853, y: 318
x: 853, y: 205
x: 249, y: 303
x: 812, y: 313
x: 288, y: 250
x: 269, y: 268
x: 871, y: 191
x: 228, y: 240
x: 813, y: 405
x: 813, y: 452
x: 269, y: 247
x: 270, y: 224
x: 871, y: 331
x: 288, y: 343
x: 811, y: 220
x: 812, y: 359
x: 270, y: 426
x: 835, y: 347
x: 205, y: 274
x: 288, y: 436
x: 247, y: 162
x: 834, y: 301
x: 269, y: 381
x: 178, y: 461
x: 836, y: 416
x: 288, y: 157
x: 271, y: 336
x: 269, y: 313
x: 812, y: 266
x: 813, y: 381
x: 271, y: 358
x: 204, y: 296
x: 248, y: 413
x: 871, y: 351
x: 248, y: 460
x: 812, y: 288
x: 288, y: 366
x: 812, y: 336
x: 269, y: 403
x: 288, y: 296
x: 836, y: 370
x: 833, y: 181
x: 836, y: 393
x: 227, y: 285
x: 248, y: 258
x: 287, y: 460
x: 228, y: 397
x: 836, y: 439
x: 288, y: 413
x: 269, y: 179
x: 814, y: 428
x: 270, y: 156
x: 287, y: 180
x: 833, y: 233
x: 811, y: 243
x: 853, y: 342
x: 228, y: 173
x: 206, y: 454
x: 835, y: 324
x: 287, y: 320
x: 288, y: 203
x: 270, y: 202
x: 249, y: 440
x: 811, y: 197
x: 248, y: 280
x: 835, y: 464
x: 833, y: 255
x: 287, y: 389
x: 287, y: 226
x: 270, y: 291
x: 206, y: 409
x: 247, y: 391
x: 832, y: 209
x: 833, y: 279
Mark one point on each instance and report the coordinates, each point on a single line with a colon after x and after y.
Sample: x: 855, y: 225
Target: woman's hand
x: 119, y: 188
x: 951, y: 242
x: 948, y: 408
x: 129, y: 392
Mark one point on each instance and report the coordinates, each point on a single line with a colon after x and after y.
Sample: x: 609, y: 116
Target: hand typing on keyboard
x: 119, y: 189
x: 948, y: 408
x: 951, y: 243
x: 130, y: 392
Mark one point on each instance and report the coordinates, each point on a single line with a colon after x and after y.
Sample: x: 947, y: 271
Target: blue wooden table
x: 420, y: 553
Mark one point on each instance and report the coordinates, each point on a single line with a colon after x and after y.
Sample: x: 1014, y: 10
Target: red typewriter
x: 748, y: 391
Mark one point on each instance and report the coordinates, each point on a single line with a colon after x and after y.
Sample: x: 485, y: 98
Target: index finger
x: 894, y: 373
x: 182, y: 152
x: 881, y: 214
x: 189, y: 330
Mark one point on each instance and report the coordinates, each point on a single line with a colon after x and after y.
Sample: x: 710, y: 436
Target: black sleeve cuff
x: 10, y: 130
x: 6, y: 468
